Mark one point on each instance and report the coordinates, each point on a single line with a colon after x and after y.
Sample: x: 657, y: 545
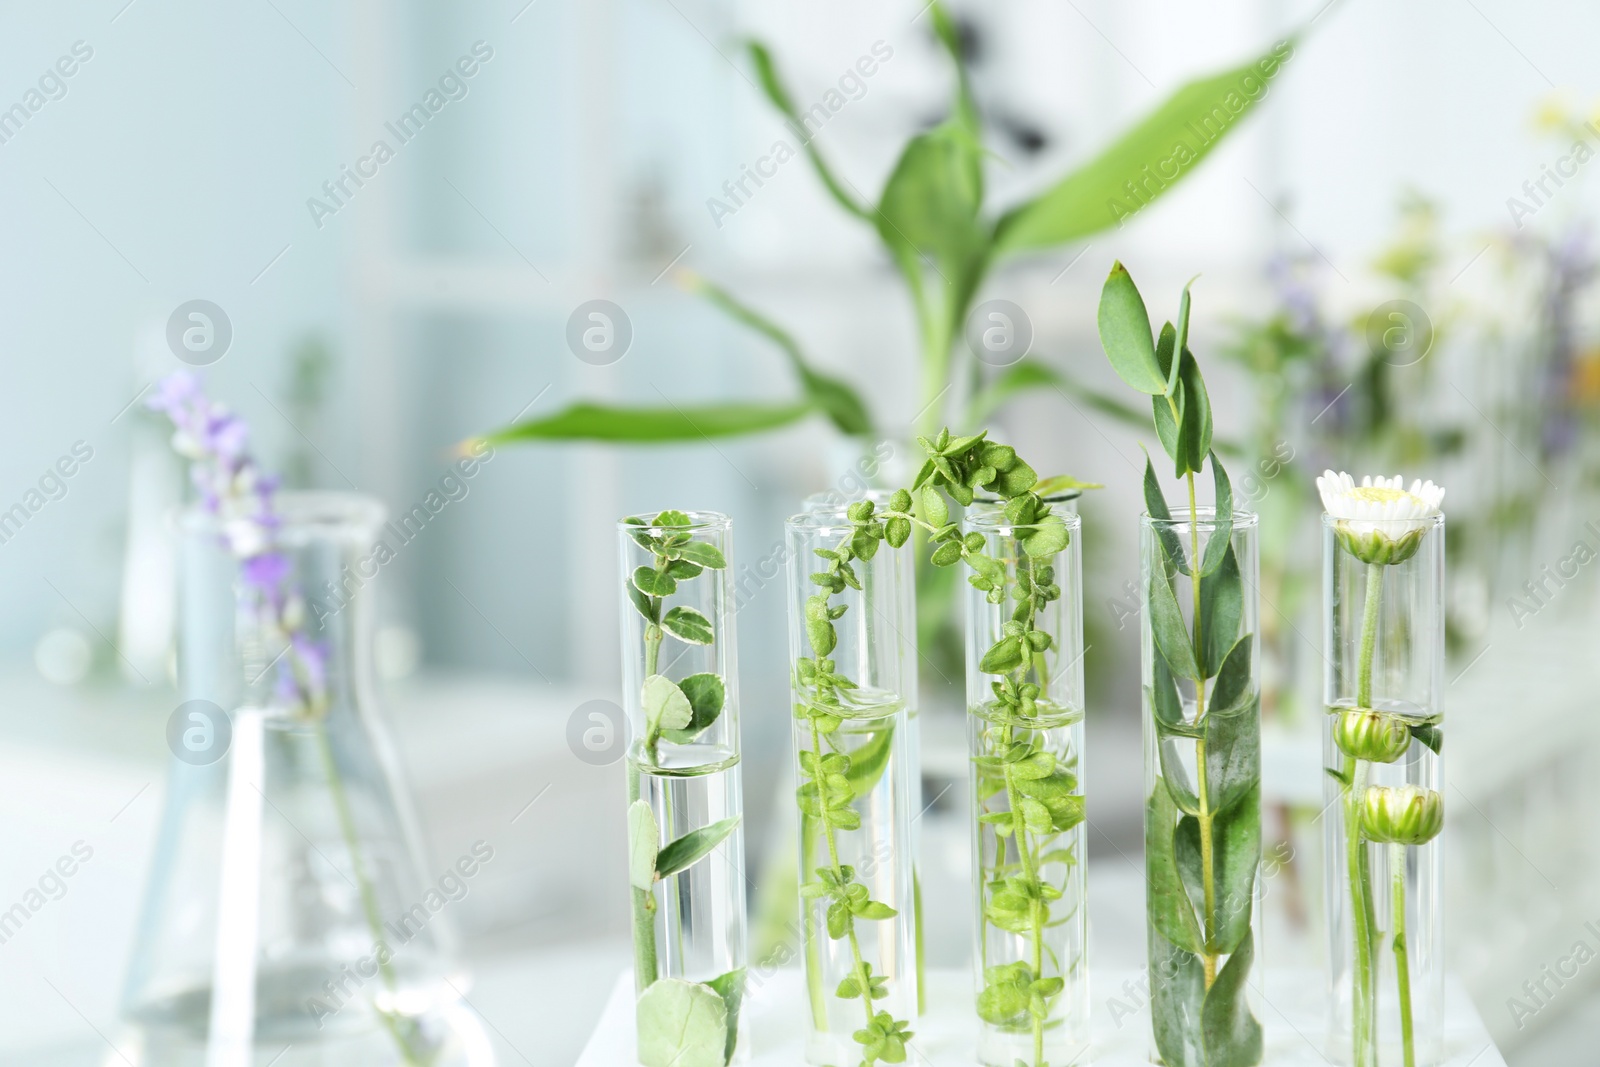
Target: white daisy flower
x: 1380, y: 520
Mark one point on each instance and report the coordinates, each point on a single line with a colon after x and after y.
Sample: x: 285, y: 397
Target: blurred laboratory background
x: 1397, y: 254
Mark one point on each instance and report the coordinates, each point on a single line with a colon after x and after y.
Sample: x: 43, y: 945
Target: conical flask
x: 286, y: 920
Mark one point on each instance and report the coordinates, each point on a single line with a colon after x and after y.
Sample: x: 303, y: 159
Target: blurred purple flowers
x: 233, y: 488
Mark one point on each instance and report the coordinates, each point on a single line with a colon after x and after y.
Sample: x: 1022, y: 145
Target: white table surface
x: 946, y: 1036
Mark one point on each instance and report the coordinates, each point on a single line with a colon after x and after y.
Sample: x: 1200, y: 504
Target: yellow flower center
x: 1371, y: 494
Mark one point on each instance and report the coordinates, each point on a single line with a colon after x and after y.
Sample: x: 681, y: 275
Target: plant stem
x: 833, y: 861
x: 1402, y: 969
x: 1363, y: 1003
x: 1361, y: 917
x: 645, y: 965
x: 1208, y: 873
x: 369, y: 898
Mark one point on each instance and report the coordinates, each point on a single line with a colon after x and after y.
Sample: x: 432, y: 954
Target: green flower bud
x: 1404, y: 815
x: 1375, y: 546
x: 1371, y: 735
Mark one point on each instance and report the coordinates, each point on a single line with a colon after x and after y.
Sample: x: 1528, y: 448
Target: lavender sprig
x: 232, y: 487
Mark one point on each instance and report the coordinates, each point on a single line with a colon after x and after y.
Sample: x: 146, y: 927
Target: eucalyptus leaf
x: 688, y: 625
x: 643, y: 839
x: 1233, y: 1036
x: 1177, y: 991
x: 1156, y: 505
x: 1166, y: 901
x: 1194, y: 434
x: 1221, y: 609
x: 1176, y: 775
x: 1165, y: 702
x: 1125, y: 333
x: 1236, y: 859
x: 1233, y: 752
x: 1222, y: 534
x: 665, y: 706
x: 1166, y: 621
x: 682, y: 1024
x: 692, y: 847
x: 1429, y: 735
x: 1233, y: 677
x: 705, y: 693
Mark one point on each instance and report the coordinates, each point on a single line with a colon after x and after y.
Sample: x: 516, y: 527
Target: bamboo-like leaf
x: 1125, y: 333
x: 778, y: 94
x: 584, y: 421
x: 692, y: 847
x: 1095, y: 197
x: 832, y: 396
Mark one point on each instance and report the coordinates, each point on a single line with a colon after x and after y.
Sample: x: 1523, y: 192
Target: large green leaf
x: 1233, y: 753
x: 778, y: 94
x: 1221, y: 608
x: 1166, y: 901
x: 1152, y: 155
x: 931, y: 201
x: 1233, y: 1037
x: 1166, y: 622
x: 677, y: 422
x: 1155, y: 505
x: 832, y: 396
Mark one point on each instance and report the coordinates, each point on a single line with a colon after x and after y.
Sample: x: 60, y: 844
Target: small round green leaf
x: 664, y: 703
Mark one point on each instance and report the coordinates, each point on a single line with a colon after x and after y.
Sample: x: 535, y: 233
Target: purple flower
x: 265, y: 572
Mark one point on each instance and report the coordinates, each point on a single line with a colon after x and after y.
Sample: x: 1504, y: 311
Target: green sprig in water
x: 1041, y: 796
x: 680, y: 1023
x: 1203, y: 841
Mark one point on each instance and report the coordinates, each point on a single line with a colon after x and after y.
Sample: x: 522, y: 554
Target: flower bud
x: 1404, y: 815
x: 1362, y: 733
x: 1376, y: 546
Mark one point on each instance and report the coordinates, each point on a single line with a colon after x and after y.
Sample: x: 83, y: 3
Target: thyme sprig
x: 1040, y: 794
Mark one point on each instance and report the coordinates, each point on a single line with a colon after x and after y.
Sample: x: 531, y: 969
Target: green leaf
x: 701, y: 553
x: 1044, y: 539
x: 1166, y: 901
x: 874, y: 911
x: 705, y: 693
x: 1004, y: 655
x: 1166, y: 621
x: 1429, y: 735
x: 1165, y: 703
x: 1233, y: 753
x: 682, y: 1024
x: 1222, y: 535
x: 1056, y: 791
x: 1176, y: 775
x: 688, y: 625
x: 1125, y: 333
x: 867, y: 763
x: 935, y: 512
x: 1156, y: 505
x: 1233, y: 1037
x: 643, y: 838
x: 819, y: 626
x: 832, y: 396
x: 772, y: 85
x: 652, y: 582
x: 1236, y: 856
x: 931, y: 201
x: 643, y: 604
x: 1221, y: 609
x: 665, y: 706
x: 693, y: 847
x: 730, y: 987
x: 1177, y: 990
x: 1195, y: 431
x: 1095, y: 196
x: 1233, y: 677
x: 672, y: 517
x: 584, y: 421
